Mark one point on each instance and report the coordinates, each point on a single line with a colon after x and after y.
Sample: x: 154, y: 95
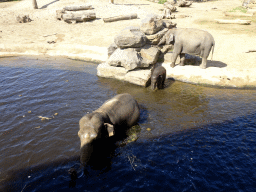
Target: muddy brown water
x: 36, y: 153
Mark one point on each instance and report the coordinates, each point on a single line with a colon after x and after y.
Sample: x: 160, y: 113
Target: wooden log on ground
x: 79, y: 16
x: 237, y: 21
x: 77, y: 7
x: 59, y: 14
x: 237, y: 14
x: 251, y: 50
x: 121, y: 17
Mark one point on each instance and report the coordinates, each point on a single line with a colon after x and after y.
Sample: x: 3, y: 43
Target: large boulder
x: 130, y: 37
x: 111, y: 49
x: 137, y: 77
x: 149, y: 55
x: 127, y: 58
x: 151, y: 24
x: 131, y: 59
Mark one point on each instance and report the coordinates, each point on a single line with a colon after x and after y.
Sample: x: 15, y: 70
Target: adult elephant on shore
x: 113, y: 117
x: 190, y: 41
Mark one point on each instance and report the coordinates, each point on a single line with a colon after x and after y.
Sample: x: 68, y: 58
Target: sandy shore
x: 231, y: 65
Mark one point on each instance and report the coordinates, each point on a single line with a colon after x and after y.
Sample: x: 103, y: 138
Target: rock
x: 151, y: 24
x: 111, y: 49
x: 137, y: 77
x: 23, y: 18
x: 170, y: 6
x: 184, y: 4
x: 149, y: 55
x: 155, y: 39
x: 105, y: 70
x: 130, y: 37
x: 127, y: 58
x: 169, y: 24
x: 172, y: 2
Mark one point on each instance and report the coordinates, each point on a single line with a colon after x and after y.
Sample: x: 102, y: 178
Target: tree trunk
x: 80, y: 16
x: 77, y: 7
x: 34, y: 4
x: 111, y: 1
x: 122, y: 17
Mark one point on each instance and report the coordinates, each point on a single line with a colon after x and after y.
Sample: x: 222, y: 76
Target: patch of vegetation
x: 233, y: 28
x: 162, y: 1
x: 239, y: 9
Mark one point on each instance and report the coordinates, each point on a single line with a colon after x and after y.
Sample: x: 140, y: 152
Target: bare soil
x: 231, y: 65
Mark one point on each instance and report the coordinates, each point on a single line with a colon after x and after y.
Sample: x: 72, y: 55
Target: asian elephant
x: 190, y: 41
x: 116, y: 114
x: 158, y: 77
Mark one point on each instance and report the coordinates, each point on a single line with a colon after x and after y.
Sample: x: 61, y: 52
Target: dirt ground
x: 231, y: 65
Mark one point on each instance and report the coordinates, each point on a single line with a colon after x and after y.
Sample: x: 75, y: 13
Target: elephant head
x: 158, y: 77
x: 167, y: 38
x: 92, y: 128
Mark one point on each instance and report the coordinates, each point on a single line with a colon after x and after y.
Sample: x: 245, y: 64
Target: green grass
x: 239, y: 9
x: 162, y: 1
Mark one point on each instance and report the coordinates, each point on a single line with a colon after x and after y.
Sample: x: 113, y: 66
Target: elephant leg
x: 163, y: 80
x: 174, y: 58
x: 203, y: 64
x: 176, y: 52
x: 182, y: 59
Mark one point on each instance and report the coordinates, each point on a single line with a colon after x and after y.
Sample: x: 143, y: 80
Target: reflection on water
x: 198, y: 134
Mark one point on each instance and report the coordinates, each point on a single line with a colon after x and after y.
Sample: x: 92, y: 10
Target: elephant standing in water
x: 158, y: 77
x: 116, y: 114
x: 190, y: 41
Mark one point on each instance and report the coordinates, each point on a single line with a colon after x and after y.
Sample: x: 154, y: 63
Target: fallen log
x: 77, y: 7
x: 80, y: 16
x: 236, y: 14
x: 251, y: 50
x: 59, y: 14
x: 121, y: 17
x: 237, y: 21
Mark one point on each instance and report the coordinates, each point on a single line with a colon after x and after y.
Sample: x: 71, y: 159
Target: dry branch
x: 237, y: 21
x: 121, y: 17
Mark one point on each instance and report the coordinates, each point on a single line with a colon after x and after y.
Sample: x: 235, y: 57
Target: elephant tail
x: 213, y: 45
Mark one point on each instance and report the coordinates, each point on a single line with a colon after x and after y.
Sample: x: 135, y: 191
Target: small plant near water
x: 239, y: 9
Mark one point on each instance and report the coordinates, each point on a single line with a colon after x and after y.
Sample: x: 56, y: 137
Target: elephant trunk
x: 85, y: 153
x: 153, y: 84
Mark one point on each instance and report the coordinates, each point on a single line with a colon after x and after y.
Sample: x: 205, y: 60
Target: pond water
x: 201, y: 138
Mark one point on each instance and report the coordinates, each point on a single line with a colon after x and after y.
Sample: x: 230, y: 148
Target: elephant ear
x: 110, y: 129
x: 169, y: 39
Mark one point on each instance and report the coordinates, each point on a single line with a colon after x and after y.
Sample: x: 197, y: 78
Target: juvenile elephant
x: 190, y: 41
x: 158, y: 77
x: 117, y: 113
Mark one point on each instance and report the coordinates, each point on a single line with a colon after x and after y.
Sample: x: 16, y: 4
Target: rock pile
x: 135, y: 51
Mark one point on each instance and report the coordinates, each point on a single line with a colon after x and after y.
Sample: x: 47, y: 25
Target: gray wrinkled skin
x: 120, y: 111
x: 190, y: 41
x: 158, y: 77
